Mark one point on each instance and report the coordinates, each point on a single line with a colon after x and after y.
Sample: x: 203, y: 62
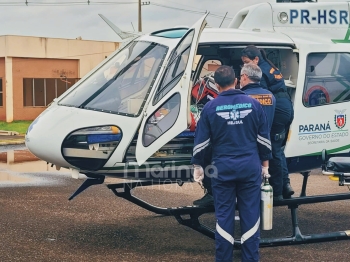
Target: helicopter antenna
x: 223, y: 19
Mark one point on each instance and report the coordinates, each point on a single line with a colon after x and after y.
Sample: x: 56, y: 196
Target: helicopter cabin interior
x: 210, y: 57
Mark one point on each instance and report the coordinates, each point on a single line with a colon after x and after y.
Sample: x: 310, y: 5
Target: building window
x: 327, y: 79
x: 1, y: 92
x: 42, y: 91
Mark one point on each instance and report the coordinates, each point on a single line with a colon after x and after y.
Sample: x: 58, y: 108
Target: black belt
x: 280, y: 136
x: 281, y: 94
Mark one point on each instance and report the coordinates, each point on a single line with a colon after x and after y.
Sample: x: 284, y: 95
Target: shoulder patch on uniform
x: 278, y: 76
x: 264, y: 99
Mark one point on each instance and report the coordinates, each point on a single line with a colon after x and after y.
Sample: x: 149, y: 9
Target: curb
x: 11, y: 142
x: 8, y: 133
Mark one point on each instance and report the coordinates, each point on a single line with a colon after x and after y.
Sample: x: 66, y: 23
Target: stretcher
x: 338, y: 168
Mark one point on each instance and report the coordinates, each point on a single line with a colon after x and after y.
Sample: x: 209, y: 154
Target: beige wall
x: 37, y: 68
x: 89, y: 53
x: 38, y: 57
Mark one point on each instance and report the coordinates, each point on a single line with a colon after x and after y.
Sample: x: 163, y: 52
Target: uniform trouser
x: 278, y: 170
x: 207, y: 171
x: 207, y: 184
x: 285, y: 172
x: 248, y: 201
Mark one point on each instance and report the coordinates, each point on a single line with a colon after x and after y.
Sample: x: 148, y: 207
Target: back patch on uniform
x: 264, y: 99
x: 235, y: 116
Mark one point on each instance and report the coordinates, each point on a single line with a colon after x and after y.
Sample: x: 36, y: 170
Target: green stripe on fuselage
x: 331, y: 151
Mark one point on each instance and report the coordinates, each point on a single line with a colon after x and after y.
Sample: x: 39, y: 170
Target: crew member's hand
x: 264, y: 170
x: 198, y: 174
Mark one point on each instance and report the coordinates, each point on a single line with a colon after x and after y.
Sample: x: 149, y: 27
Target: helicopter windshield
x: 121, y: 85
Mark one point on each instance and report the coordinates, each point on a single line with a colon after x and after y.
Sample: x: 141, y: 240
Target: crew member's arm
x: 202, y: 140
x: 263, y: 140
x: 273, y: 110
x: 263, y: 82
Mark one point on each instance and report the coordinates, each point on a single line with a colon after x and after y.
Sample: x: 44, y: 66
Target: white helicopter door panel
x: 168, y: 112
x: 322, y: 101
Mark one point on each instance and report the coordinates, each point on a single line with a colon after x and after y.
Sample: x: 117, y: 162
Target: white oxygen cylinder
x: 266, y: 205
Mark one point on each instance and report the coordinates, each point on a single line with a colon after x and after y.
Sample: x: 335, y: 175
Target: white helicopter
x: 133, y: 116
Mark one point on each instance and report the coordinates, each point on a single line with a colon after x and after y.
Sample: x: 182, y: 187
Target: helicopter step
x: 194, y: 212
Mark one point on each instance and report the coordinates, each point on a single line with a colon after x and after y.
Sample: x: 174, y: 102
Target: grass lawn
x: 19, y: 126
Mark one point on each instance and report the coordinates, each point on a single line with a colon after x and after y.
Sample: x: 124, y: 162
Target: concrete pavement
x: 38, y: 223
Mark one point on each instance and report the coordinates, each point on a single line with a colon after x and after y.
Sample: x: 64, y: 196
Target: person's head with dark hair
x: 252, y: 54
x: 225, y: 78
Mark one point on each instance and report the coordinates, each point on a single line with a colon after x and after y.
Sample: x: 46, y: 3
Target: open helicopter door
x: 322, y: 101
x: 167, y: 113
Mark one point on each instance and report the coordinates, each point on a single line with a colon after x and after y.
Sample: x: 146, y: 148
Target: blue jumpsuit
x: 236, y: 127
x: 265, y: 97
x: 272, y: 80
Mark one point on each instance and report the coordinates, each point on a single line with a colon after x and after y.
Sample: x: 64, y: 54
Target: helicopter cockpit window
x: 176, y: 67
x: 122, y: 84
x: 171, y: 33
x: 327, y: 79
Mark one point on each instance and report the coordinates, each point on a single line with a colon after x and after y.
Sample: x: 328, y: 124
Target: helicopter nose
x: 43, y: 139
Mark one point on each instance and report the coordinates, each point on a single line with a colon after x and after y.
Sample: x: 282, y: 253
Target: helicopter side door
x: 167, y: 114
x: 322, y: 101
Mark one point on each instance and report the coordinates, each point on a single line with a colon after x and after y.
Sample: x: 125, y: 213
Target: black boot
x: 205, y: 201
x: 287, y: 191
x: 277, y: 198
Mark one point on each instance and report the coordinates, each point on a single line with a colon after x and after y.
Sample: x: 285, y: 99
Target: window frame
x: 307, y: 93
x: 1, y: 93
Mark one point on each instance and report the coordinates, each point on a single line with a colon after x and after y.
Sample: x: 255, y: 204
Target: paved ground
x: 38, y: 223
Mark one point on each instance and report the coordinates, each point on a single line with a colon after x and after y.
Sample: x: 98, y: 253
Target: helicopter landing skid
x: 194, y: 212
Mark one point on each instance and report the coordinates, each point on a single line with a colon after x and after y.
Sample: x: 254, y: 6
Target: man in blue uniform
x: 272, y: 80
x: 251, y: 75
x: 250, y: 84
x: 236, y: 127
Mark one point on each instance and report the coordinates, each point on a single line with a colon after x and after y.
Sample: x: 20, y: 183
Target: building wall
x: 89, y: 53
x: 37, y: 68
x: 3, y: 80
x: 40, y: 57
